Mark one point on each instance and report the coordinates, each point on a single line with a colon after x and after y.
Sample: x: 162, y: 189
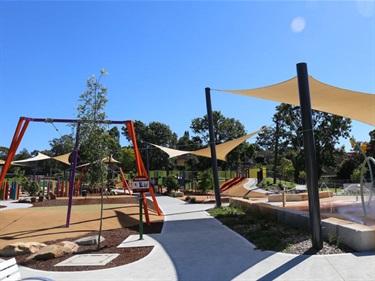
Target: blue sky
x: 160, y: 56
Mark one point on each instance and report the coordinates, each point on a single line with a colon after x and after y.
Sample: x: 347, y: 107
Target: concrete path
x: 195, y: 246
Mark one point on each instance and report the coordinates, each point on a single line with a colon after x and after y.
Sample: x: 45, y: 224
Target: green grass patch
x: 264, y: 232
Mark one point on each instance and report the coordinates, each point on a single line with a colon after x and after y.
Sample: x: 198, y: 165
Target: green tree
x: 92, y: 134
x: 60, y: 146
x: 205, y: 181
x: 225, y: 129
x: 114, y: 142
x: 127, y: 159
x: 171, y: 183
x: 93, y: 139
x: 3, y: 152
x: 356, y: 175
x: 155, y: 133
x: 286, y: 169
x: 328, y: 129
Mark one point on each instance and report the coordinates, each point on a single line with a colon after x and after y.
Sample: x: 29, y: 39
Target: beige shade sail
x: 326, y: 98
x: 63, y: 158
x: 39, y: 157
x: 221, y: 149
x: 224, y: 148
x: 171, y: 152
x: 110, y: 159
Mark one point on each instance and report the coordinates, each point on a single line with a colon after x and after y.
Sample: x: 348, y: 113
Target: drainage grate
x: 89, y: 259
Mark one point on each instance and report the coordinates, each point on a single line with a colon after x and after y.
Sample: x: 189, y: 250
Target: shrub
x: 30, y: 187
x: 192, y: 200
x: 171, y: 184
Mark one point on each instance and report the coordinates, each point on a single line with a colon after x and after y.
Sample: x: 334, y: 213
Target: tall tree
x: 94, y: 141
x: 3, y: 152
x: 225, y: 129
x: 155, y: 133
x: 328, y: 129
x: 92, y: 138
x: 60, y: 146
x: 127, y: 159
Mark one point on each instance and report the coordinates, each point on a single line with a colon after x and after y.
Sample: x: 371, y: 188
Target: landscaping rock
x: 91, y: 240
x: 24, y: 200
x: 70, y: 247
x: 21, y: 248
x: 49, y: 252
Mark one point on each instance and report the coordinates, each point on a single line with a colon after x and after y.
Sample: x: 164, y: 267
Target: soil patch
x: 121, y: 219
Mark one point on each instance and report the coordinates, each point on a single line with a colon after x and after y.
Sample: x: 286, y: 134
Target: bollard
x: 284, y: 198
x: 140, y: 218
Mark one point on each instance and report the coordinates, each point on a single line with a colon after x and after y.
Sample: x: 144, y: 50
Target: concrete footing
x: 357, y: 236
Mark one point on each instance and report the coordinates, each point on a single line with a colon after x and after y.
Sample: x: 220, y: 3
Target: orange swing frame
x: 20, y: 132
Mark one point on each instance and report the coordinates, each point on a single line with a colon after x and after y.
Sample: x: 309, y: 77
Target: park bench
x: 9, y: 272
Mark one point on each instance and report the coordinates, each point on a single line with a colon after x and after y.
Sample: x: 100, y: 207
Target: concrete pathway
x: 195, y: 246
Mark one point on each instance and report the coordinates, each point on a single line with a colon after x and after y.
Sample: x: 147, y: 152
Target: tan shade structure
x: 63, y: 158
x: 224, y: 148
x: 221, y: 149
x: 39, y: 157
x: 326, y: 98
x: 170, y: 151
x: 110, y: 159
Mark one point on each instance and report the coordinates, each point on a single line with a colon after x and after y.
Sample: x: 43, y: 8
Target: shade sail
x: 326, y: 98
x: 170, y: 151
x: 224, y: 148
x: 221, y: 149
x: 110, y: 159
x: 63, y: 158
x: 39, y: 157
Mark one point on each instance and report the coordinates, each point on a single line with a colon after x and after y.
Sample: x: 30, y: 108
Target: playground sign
x: 140, y: 184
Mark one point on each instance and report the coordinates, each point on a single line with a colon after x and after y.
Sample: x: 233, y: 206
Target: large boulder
x: 55, y: 250
x: 70, y: 247
x: 48, y: 252
x: 21, y: 248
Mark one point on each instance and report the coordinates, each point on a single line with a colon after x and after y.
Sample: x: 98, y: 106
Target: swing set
x: 21, y: 129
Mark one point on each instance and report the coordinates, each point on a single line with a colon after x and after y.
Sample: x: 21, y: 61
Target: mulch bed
x: 113, y: 238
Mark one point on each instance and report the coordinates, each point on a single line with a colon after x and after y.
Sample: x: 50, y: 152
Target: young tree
x: 286, y: 169
x: 94, y: 142
x: 92, y: 138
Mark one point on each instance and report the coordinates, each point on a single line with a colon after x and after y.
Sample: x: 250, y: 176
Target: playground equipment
x: 372, y: 186
x: 362, y: 147
x: 21, y: 129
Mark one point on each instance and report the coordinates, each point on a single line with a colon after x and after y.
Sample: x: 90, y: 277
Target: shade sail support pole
x: 72, y: 177
x: 310, y: 156
x: 213, y: 148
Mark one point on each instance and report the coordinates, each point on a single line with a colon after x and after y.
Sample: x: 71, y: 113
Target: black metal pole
x: 213, y: 148
x: 276, y: 151
x: 72, y: 177
x: 310, y: 156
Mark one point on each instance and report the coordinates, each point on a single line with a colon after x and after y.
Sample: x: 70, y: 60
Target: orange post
x: 18, y: 134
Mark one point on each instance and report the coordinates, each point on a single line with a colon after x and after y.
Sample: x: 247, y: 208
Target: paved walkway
x: 195, y: 246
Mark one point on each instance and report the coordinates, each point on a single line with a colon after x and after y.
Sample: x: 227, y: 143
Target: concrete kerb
x: 357, y: 236
x: 194, y: 246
